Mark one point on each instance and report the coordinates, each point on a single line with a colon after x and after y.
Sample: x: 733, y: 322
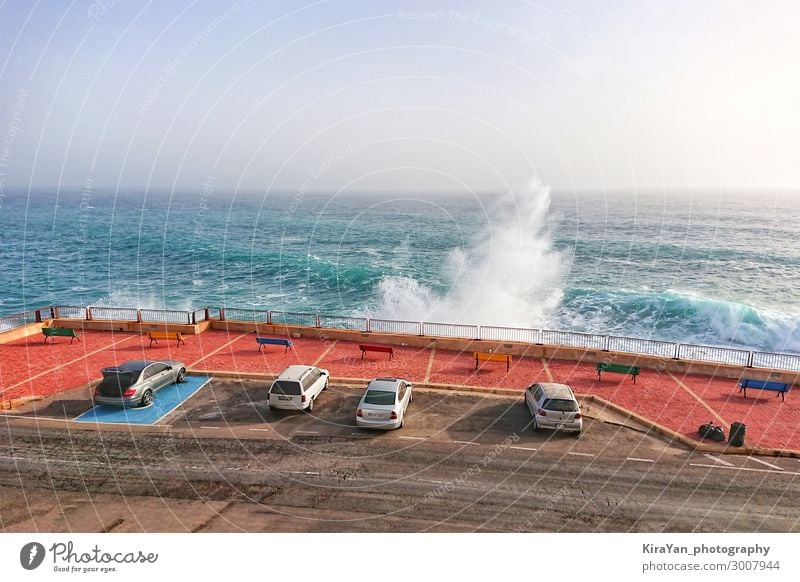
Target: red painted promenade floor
x: 29, y: 367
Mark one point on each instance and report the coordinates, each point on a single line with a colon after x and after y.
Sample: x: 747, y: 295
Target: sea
x: 709, y: 267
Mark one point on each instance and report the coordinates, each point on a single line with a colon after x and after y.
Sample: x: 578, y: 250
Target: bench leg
x: 508, y: 364
x: 598, y: 376
x: 151, y: 342
x: 634, y: 378
x: 286, y: 350
x: 259, y: 347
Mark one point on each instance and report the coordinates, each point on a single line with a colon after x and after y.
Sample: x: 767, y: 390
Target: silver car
x: 384, y: 404
x: 554, y: 406
x: 134, y: 383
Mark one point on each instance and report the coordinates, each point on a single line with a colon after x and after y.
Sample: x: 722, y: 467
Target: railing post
x: 88, y: 314
x: 750, y: 359
x: 677, y: 355
x: 605, y: 343
x: 138, y: 316
x: 192, y: 318
x: 207, y: 314
x: 222, y: 314
x: 316, y: 318
x: 367, y: 326
x: 53, y: 311
x: 38, y: 316
x: 421, y: 328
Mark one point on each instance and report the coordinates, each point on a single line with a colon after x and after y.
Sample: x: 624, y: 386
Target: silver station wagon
x: 134, y: 383
x: 297, y: 387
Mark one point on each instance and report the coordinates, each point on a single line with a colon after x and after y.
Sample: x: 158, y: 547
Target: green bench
x: 618, y: 368
x: 52, y: 332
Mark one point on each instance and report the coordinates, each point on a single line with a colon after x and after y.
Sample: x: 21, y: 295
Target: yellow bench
x: 166, y: 335
x: 490, y: 357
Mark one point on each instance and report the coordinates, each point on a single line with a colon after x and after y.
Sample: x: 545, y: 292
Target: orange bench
x: 166, y: 335
x: 492, y: 357
x: 373, y: 348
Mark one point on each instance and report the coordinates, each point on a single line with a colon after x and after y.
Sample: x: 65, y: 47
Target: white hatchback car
x: 554, y: 406
x: 297, y: 387
x: 384, y: 404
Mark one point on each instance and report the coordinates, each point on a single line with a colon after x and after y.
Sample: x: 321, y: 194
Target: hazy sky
x: 399, y: 96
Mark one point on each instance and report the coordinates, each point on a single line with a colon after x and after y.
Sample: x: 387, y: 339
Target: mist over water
x: 509, y: 274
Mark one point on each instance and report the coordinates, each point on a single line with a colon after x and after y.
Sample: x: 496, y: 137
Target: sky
x: 399, y: 97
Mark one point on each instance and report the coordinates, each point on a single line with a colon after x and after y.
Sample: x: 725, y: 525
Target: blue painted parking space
x: 165, y: 401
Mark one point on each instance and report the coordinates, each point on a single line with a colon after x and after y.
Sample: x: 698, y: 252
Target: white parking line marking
x: 212, y: 427
x: 640, y: 460
x: 524, y: 448
x: 261, y: 429
x: 581, y: 454
x: 767, y: 464
x: 408, y: 438
x: 744, y: 469
x: 466, y: 443
x: 716, y: 460
x: 307, y: 431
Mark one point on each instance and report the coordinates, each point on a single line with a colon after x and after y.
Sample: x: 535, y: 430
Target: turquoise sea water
x: 714, y: 268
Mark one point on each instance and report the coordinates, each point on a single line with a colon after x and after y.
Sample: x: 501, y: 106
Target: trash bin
x: 736, y: 437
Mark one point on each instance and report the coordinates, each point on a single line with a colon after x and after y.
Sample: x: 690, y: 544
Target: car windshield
x: 560, y: 405
x: 379, y: 397
x: 286, y: 388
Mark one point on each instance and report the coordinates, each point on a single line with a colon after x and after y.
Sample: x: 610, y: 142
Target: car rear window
x: 286, y: 388
x: 379, y: 397
x: 120, y: 381
x: 560, y: 405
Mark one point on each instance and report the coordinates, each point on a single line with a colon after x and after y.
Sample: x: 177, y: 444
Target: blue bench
x: 780, y: 387
x: 273, y: 341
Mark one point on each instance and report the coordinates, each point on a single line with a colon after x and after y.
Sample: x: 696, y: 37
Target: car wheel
x: 535, y: 424
x: 181, y: 376
x: 326, y: 385
x: 310, y: 405
x: 577, y: 434
x: 147, y: 398
x: 403, y: 422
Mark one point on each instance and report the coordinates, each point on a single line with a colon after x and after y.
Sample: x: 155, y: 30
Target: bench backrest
x: 274, y: 341
x: 58, y: 331
x: 490, y: 357
x: 165, y: 335
x: 763, y: 385
x: 619, y: 368
x: 371, y: 348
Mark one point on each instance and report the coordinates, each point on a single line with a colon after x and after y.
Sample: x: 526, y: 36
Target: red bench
x: 372, y: 348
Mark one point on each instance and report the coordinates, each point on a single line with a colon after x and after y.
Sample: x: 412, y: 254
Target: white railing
x: 712, y: 354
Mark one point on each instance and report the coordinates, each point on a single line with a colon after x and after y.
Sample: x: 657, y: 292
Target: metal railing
x: 342, y: 322
x: 9, y: 322
x: 113, y: 313
x: 574, y: 340
x: 287, y: 318
x: 711, y: 354
x: 235, y: 314
x: 165, y: 316
x: 510, y: 334
x: 642, y: 346
x: 395, y: 326
x: 775, y: 361
x: 450, y: 330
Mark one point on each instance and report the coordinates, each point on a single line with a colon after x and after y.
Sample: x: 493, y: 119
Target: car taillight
x: 542, y: 412
x: 303, y: 398
x: 577, y: 416
x: 393, y: 415
x: 129, y: 392
x: 360, y: 413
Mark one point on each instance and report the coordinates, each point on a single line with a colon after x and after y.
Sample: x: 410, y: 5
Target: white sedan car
x: 554, y: 406
x: 384, y: 404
